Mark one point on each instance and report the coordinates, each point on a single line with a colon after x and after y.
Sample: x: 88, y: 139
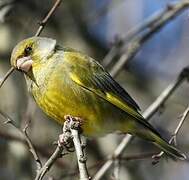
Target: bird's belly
x: 99, y: 116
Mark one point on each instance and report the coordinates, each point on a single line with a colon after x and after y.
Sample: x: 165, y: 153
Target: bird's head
x: 30, y: 52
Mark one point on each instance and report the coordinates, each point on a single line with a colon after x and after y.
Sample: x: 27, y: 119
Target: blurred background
x: 93, y: 27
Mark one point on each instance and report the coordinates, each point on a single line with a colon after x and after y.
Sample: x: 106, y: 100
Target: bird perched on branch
x: 64, y: 81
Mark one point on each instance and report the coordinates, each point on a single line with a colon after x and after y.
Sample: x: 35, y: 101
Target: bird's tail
x: 157, y: 140
x: 147, y: 132
x: 167, y: 148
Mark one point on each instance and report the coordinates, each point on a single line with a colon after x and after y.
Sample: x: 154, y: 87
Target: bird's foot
x: 65, y: 139
x: 75, y: 122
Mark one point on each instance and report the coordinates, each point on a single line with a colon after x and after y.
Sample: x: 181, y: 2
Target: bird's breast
x: 58, y: 97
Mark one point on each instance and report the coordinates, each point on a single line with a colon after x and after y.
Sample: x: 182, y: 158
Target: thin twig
x: 32, y: 149
x: 148, y: 113
x: 45, y: 152
x: 24, y: 133
x: 134, y: 46
x: 9, y: 72
x: 138, y: 29
x: 140, y: 156
x: 57, y: 154
x: 47, y: 17
x: 184, y: 115
x: 174, y: 136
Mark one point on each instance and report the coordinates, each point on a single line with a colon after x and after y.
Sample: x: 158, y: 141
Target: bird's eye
x: 28, y: 51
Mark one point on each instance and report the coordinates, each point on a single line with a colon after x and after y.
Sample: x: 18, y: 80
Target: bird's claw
x: 65, y: 139
x: 73, y: 122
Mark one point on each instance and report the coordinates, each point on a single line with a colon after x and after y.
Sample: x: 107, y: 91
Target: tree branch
x: 119, y: 43
x: 24, y: 133
x: 47, y: 17
x: 9, y: 72
x: 153, y: 26
x: 46, y: 167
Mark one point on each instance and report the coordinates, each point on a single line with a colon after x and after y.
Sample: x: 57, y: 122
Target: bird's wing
x: 91, y: 75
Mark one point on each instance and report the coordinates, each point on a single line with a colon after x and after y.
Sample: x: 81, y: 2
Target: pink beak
x: 24, y: 63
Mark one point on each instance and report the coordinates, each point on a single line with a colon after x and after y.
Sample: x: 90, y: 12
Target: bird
x: 64, y: 81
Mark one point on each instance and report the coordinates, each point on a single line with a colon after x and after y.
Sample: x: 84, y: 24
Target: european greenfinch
x: 64, y: 81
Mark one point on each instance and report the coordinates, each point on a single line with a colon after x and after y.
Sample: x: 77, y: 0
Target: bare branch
x: 32, y: 149
x: 134, y: 45
x: 148, y: 113
x: 47, y: 17
x: 140, y: 156
x: 138, y: 29
x: 9, y: 72
x: 24, y: 133
x: 42, y: 151
x: 115, y: 49
x: 57, y: 154
x: 184, y: 116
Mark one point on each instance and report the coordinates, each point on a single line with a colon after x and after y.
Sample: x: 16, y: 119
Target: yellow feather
x: 119, y: 103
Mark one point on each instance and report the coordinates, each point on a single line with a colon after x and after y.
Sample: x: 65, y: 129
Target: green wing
x: 89, y: 74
